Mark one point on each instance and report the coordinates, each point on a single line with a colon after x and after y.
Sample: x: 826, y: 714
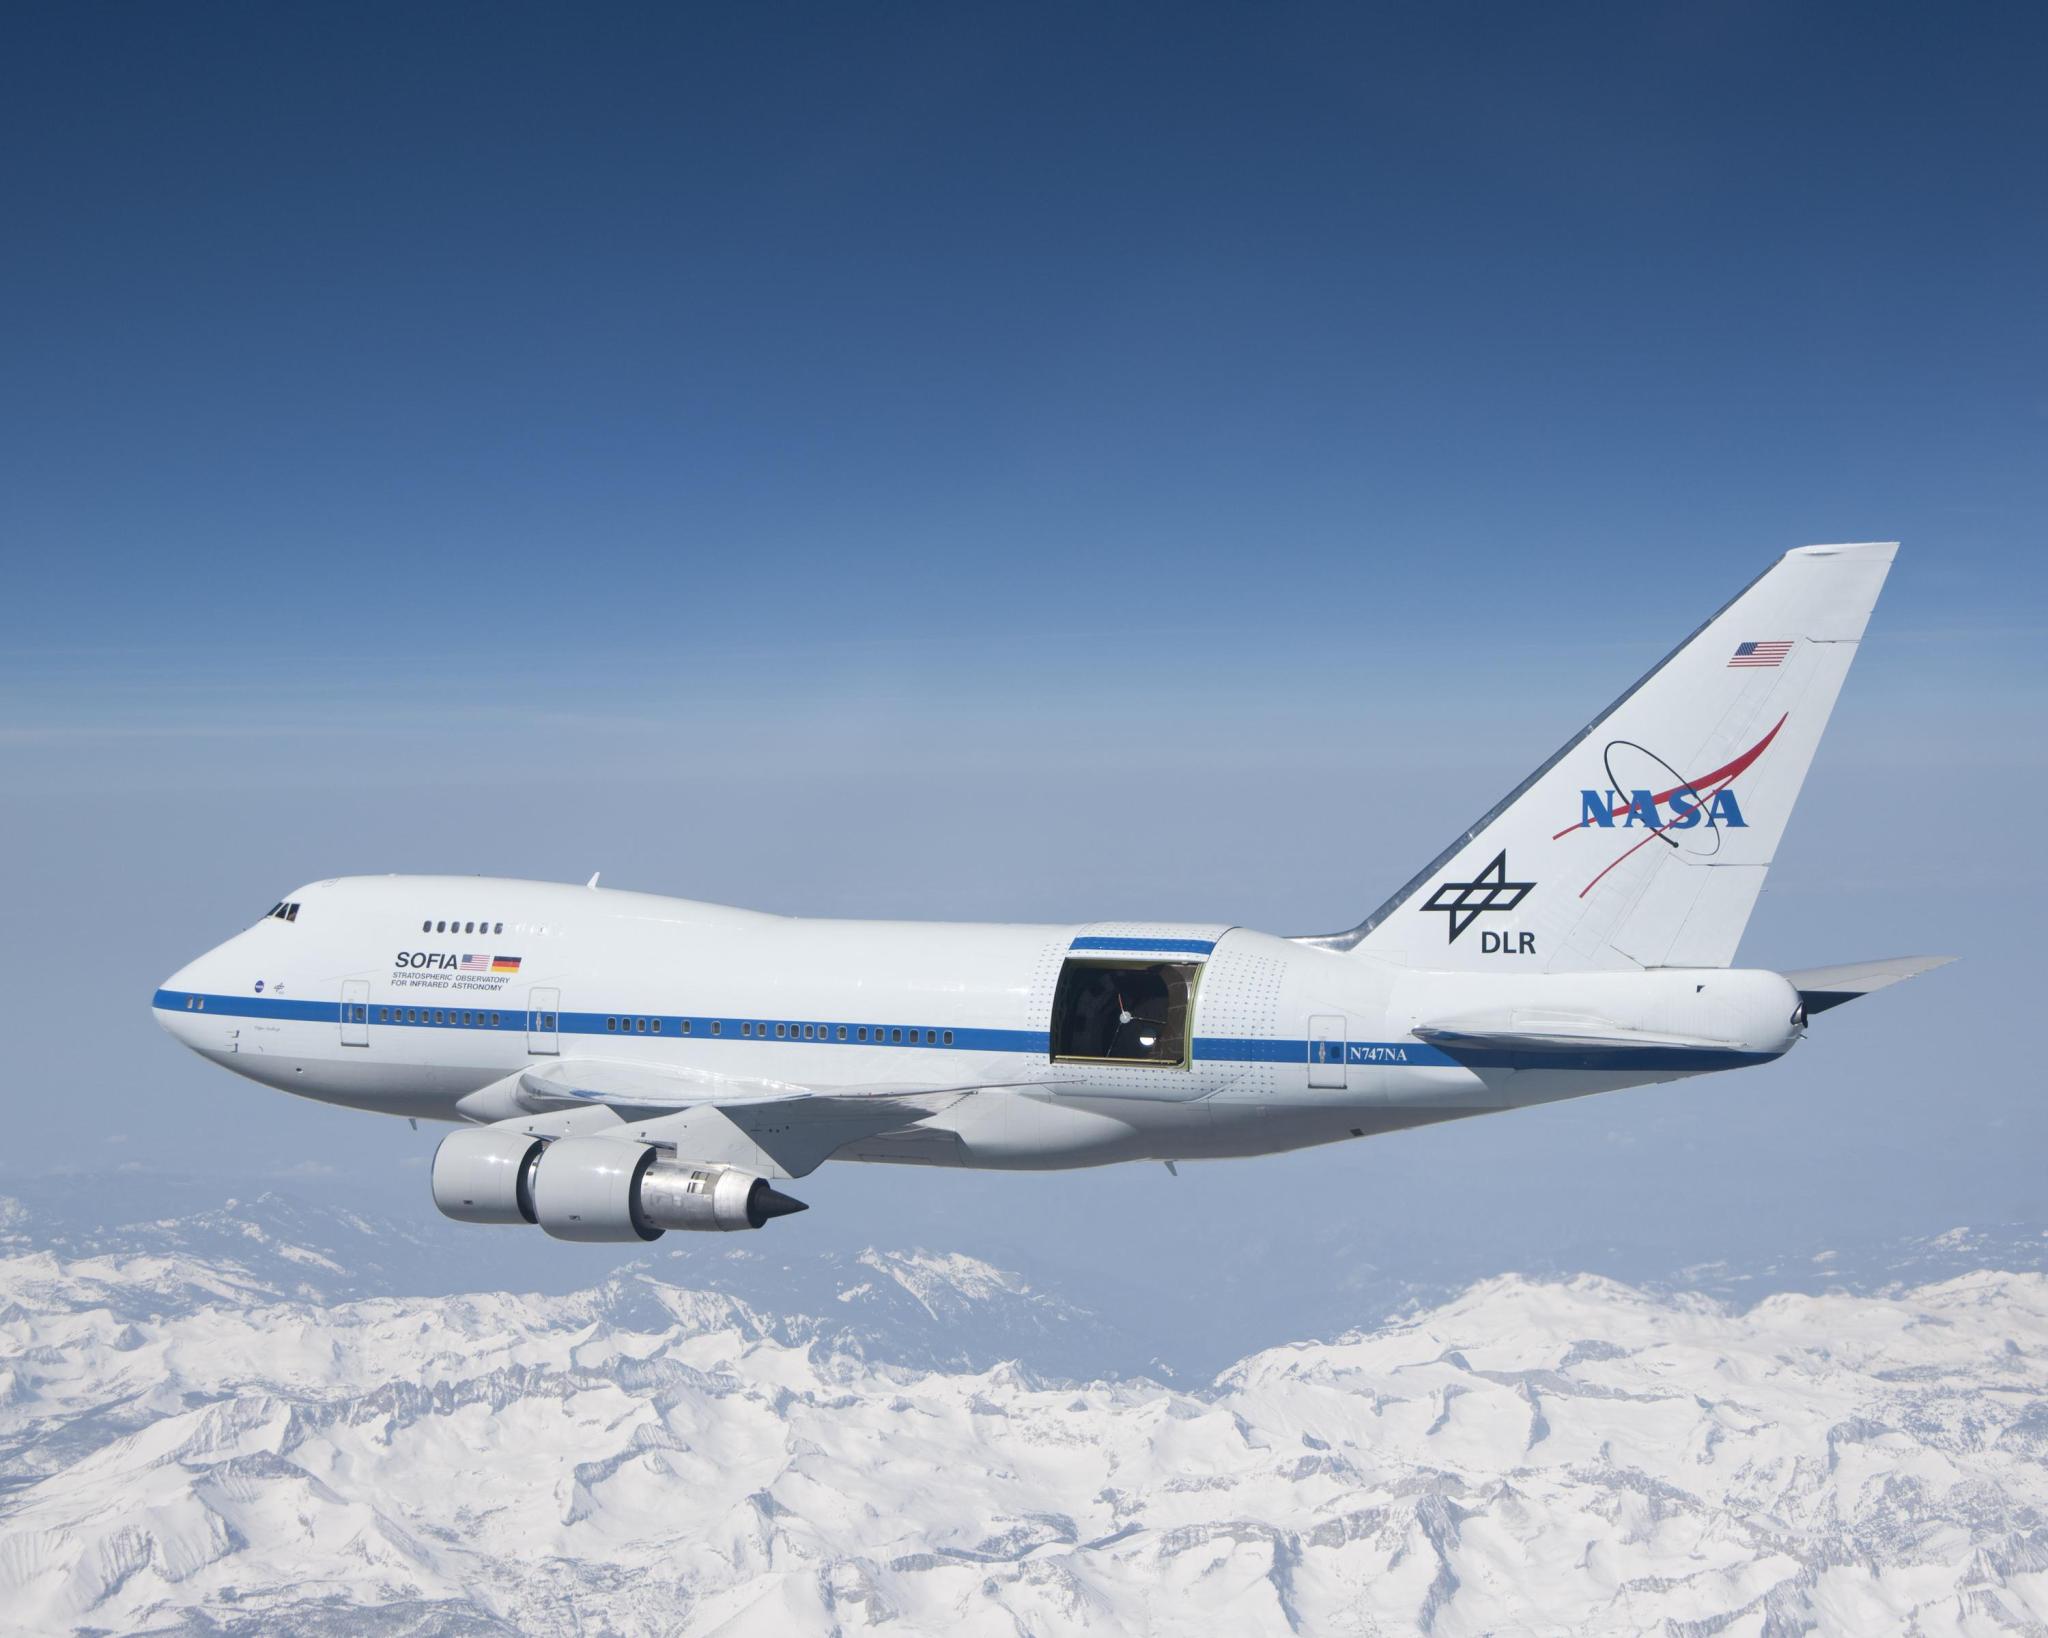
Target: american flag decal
x: 475, y: 964
x: 1760, y: 654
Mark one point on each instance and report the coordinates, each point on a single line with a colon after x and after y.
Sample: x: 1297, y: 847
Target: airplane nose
x: 175, y: 1004
x: 180, y: 1004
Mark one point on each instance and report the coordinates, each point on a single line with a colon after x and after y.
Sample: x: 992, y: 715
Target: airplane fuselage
x: 1087, y: 1044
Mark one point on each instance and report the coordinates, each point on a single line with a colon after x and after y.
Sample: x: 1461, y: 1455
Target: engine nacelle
x: 595, y: 1188
x: 588, y: 1188
x: 483, y: 1175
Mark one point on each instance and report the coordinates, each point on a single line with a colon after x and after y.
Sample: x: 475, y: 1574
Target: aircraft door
x: 355, y: 1012
x: 1326, y: 1040
x: 543, y: 1021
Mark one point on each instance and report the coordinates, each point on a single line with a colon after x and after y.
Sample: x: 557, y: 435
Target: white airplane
x: 625, y: 1063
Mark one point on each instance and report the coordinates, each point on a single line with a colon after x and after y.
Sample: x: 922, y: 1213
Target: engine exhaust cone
x: 765, y: 1203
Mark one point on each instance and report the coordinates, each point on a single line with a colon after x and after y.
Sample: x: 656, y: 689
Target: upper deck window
x: 1138, y: 1012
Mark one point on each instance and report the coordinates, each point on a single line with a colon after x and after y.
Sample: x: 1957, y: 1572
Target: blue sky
x: 1041, y: 463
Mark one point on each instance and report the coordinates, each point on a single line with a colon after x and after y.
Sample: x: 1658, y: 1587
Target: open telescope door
x: 1125, y: 1012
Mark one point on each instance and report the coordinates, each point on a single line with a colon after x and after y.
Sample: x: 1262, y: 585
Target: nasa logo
x: 259, y: 986
x: 1688, y: 807
x: 1647, y: 794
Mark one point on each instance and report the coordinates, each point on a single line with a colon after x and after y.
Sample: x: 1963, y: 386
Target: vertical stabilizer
x: 1644, y: 841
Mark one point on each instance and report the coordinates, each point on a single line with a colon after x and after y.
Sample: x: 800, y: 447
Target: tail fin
x: 1644, y: 841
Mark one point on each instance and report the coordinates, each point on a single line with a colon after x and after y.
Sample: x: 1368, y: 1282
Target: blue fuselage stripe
x: 639, y: 1025
x: 1033, y: 1042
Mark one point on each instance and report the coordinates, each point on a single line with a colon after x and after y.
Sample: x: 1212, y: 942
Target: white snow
x: 1578, y: 1456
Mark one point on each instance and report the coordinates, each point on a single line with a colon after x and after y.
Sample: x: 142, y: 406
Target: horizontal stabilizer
x: 1823, y: 987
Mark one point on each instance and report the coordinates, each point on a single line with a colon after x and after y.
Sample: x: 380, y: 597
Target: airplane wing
x: 774, y: 1127
x: 569, y: 1082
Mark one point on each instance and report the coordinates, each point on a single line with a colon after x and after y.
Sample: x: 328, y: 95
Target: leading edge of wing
x: 643, y: 1089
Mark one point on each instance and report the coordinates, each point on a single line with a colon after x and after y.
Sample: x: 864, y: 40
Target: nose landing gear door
x: 1326, y: 1039
x: 543, y: 1021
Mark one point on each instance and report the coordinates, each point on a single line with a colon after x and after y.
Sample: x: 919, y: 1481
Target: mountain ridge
x: 178, y: 1453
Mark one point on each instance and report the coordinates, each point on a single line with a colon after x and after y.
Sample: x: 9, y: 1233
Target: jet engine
x: 484, y: 1175
x: 593, y: 1188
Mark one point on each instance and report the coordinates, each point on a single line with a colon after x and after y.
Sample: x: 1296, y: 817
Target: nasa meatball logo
x: 1645, y: 794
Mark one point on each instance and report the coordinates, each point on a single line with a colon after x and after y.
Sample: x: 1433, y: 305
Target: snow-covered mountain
x: 197, y: 1441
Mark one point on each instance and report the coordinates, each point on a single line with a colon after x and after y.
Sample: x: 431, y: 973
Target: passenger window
x: 641, y: 1025
x: 612, y: 1024
x: 501, y: 927
x: 494, y: 1020
x: 842, y: 1032
x: 426, y: 926
x: 780, y: 1032
x: 949, y: 1037
x: 714, y: 1026
x: 440, y: 927
x: 657, y: 1027
x: 862, y: 1032
x: 895, y: 1035
x: 1124, y: 1012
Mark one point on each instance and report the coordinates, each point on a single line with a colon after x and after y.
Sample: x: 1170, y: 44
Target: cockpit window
x: 282, y: 912
x: 1124, y: 1012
